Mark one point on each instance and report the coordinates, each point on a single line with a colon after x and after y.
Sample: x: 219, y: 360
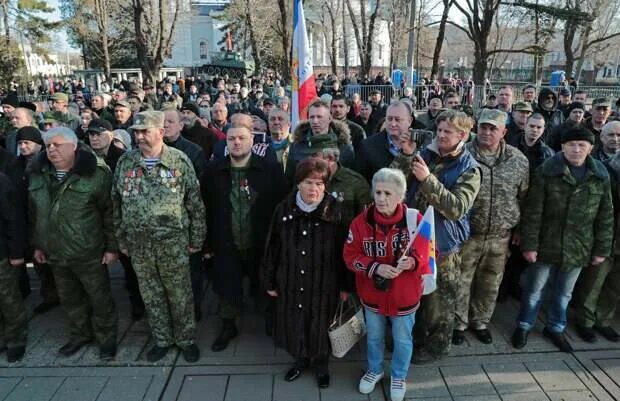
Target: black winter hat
x: 575, y: 105
x: 29, y: 134
x: 578, y: 134
x: 11, y: 99
x: 191, y: 107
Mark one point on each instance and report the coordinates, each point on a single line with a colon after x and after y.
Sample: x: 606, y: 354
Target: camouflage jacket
x: 566, y: 221
x: 161, y: 204
x: 351, y: 190
x: 497, y: 208
x: 71, y: 220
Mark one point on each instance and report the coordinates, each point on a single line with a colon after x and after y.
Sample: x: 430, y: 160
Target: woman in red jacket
x: 388, y: 279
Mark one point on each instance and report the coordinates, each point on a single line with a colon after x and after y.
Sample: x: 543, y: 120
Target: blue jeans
x: 403, y: 343
x: 561, y: 284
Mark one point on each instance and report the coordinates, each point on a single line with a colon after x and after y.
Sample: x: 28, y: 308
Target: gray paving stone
x: 580, y: 395
x: 478, y: 398
x: 249, y: 388
x: 426, y: 383
x: 207, y: 388
x: 36, y: 389
x: 343, y: 386
x: 535, y: 396
x: 7, y: 384
x: 254, y: 344
x: 80, y: 388
x: 611, y: 367
x: 511, y: 378
x: 132, y: 388
x: 407, y: 398
x: 467, y: 380
x: 555, y: 376
x: 302, y: 389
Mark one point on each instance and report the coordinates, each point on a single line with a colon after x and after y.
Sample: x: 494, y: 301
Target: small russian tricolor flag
x: 424, y: 245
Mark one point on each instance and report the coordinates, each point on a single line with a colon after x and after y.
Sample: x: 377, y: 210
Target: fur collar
x: 339, y: 128
x: 85, y: 162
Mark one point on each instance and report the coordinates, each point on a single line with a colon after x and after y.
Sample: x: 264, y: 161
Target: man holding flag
x: 303, y: 85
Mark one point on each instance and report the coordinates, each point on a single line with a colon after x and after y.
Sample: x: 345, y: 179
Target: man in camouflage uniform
x: 496, y: 211
x: 598, y: 290
x: 70, y: 216
x: 159, y: 218
x: 60, y: 103
x: 446, y: 176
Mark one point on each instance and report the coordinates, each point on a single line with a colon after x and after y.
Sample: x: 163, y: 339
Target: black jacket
x: 201, y: 136
x: 267, y: 188
x: 193, y: 151
x: 357, y: 134
x: 374, y: 155
x: 111, y: 159
x: 536, y: 154
x: 12, y: 221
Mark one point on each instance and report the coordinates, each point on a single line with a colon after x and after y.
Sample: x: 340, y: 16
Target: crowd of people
x: 181, y: 187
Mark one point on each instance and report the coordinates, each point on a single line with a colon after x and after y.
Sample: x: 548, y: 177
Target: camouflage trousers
x: 164, y: 278
x: 483, y: 260
x: 435, y: 318
x: 597, y: 293
x: 85, y: 295
x: 13, y: 321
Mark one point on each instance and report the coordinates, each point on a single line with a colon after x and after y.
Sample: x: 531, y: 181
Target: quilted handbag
x: 347, y: 328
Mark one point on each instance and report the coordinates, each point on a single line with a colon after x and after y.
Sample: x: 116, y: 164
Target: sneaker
x: 369, y: 381
x: 558, y: 339
x: 587, y: 334
x: 191, y: 353
x: 609, y: 333
x: 398, y: 387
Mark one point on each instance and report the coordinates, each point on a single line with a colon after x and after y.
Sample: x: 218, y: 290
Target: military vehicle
x: 227, y: 63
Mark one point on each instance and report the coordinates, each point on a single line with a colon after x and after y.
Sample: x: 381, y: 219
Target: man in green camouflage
x: 496, y: 212
x: 70, y: 214
x: 160, y: 220
x: 446, y: 176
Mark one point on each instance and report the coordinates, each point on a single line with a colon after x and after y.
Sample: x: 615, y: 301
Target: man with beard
x: 339, y: 109
x: 547, y: 106
x: 195, y: 132
x: 240, y: 191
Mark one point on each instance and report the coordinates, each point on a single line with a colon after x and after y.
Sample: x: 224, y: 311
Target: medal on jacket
x: 245, y: 187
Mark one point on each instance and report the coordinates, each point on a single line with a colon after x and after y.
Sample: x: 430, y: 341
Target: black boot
x: 229, y: 331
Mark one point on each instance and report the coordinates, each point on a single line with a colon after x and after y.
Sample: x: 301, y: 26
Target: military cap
x: 53, y: 116
x: 123, y: 103
x: 99, y: 125
x: 564, y: 92
x: 601, y: 102
x: 269, y: 100
x: 493, y: 116
x: 522, y: 106
x: 578, y: 134
x: 317, y: 143
x: 60, y: 97
x: 148, y: 119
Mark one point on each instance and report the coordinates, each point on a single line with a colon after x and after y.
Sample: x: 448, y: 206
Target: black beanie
x: 578, y: 134
x: 29, y: 134
x: 575, y: 105
x: 11, y: 99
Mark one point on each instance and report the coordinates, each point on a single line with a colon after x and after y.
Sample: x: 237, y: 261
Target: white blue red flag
x: 424, y: 245
x: 303, y: 87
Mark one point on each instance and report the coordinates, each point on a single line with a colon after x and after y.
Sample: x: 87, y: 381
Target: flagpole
x: 303, y: 88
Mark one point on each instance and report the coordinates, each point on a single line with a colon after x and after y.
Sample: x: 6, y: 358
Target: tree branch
x: 454, y: 24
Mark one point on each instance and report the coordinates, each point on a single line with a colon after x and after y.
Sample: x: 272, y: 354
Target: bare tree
x: 154, y: 24
x: 284, y: 31
x: 397, y: 16
x: 328, y: 16
x: 364, y: 30
x: 447, y: 5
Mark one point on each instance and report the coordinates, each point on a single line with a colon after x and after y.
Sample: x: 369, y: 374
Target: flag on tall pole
x: 303, y: 86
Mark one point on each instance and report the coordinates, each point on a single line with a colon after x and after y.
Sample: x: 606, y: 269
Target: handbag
x: 347, y: 328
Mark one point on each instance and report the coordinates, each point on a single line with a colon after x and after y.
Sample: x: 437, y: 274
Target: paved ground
x: 252, y: 369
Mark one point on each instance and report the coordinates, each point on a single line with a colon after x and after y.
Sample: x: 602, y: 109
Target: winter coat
x: 71, y: 220
x: 357, y: 134
x: 192, y: 151
x: 201, y: 136
x: 552, y: 117
x: 12, y: 221
x: 303, y: 263
x: 368, y: 246
x: 267, y: 188
x: 374, y: 154
x: 536, y: 154
x: 497, y: 208
x: 565, y: 221
x: 302, y: 135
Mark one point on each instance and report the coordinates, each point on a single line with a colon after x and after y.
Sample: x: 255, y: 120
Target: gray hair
x: 331, y: 152
x: 64, y: 132
x: 609, y: 126
x: 391, y: 176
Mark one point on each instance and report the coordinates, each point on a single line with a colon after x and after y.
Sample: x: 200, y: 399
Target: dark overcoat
x: 303, y: 263
x: 267, y: 188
